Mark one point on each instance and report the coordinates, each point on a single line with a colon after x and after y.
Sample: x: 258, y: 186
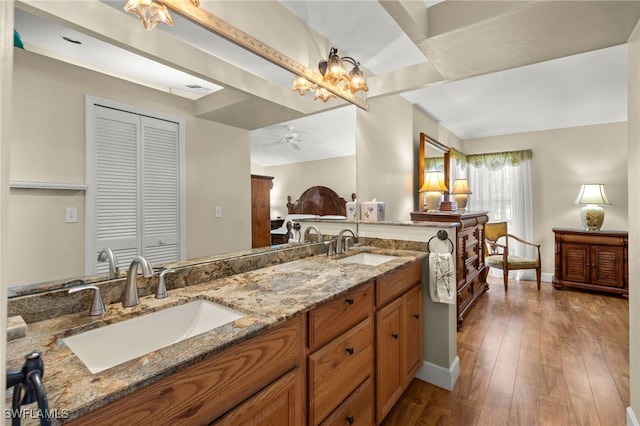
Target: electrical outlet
x: 218, y: 211
x: 71, y: 215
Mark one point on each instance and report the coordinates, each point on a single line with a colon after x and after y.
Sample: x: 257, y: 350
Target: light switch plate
x: 218, y: 211
x: 71, y: 215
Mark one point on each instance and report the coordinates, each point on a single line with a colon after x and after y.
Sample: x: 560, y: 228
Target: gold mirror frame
x: 424, y: 140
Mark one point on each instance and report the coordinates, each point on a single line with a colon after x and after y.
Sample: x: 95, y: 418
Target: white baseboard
x: 546, y: 277
x: 631, y: 418
x: 440, y: 376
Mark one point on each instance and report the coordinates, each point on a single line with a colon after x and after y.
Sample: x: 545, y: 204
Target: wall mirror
x: 49, y: 282
x: 432, y: 155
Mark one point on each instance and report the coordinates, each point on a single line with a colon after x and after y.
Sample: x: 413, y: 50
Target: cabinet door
x: 576, y: 260
x: 278, y: 404
x: 389, y: 374
x: 607, y: 266
x: 413, y: 333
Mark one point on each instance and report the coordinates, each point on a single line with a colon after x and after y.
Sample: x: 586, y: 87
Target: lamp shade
x: 592, y: 215
x: 592, y: 194
x: 433, y: 182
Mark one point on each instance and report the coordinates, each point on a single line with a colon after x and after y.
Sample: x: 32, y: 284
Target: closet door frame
x: 90, y: 177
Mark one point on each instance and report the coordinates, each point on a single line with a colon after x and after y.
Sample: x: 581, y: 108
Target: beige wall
x: 563, y: 159
x: 385, y: 151
x: 337, y: 173
x: 633, y: 112
x: 47, y: 145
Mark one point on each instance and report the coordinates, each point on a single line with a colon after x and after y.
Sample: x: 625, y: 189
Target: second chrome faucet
x: 130, y: 297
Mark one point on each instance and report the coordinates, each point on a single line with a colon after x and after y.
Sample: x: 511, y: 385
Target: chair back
x: 493, y: 231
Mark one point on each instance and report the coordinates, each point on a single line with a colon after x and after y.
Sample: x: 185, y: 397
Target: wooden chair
x: 497, y: 253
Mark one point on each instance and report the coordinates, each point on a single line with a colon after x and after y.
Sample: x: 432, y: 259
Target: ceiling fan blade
x: 272, y: 143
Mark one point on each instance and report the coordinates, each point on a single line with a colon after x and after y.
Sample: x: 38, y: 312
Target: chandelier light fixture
x: 152, y: 12
x: 335, y: 75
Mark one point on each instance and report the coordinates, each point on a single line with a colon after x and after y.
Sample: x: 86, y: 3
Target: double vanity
x: 311, y: 340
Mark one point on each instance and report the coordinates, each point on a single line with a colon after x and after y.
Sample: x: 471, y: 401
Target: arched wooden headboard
x: 319, y: 200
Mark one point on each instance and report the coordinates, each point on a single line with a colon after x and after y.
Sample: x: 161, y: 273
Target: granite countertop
x: 268, y: 296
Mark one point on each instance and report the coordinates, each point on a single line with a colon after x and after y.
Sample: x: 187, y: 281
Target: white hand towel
x: 442, y: 278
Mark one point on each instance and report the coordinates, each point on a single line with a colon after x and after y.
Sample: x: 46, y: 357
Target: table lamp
x: 433, y: 187
x: 592, y: 214
x: 461, y: 191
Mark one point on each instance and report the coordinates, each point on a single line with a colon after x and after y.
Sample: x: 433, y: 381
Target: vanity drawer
x: 356, y: 410
x: 337, y: 369
x: 335, y: 317
x: 396, y: 283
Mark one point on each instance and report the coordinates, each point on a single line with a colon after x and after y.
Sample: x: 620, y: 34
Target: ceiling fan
x: 290, y: 138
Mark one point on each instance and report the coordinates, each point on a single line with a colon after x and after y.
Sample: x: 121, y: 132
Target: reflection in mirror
x: 45, y: 248
x: 432, y: 155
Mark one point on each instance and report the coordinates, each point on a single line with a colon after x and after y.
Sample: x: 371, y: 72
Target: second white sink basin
x: 114, y: 344
x: 370, y: 259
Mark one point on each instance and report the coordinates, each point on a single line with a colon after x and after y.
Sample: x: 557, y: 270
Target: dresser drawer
x: 394, y: 284
x: 356, y: 410
x: 333, y: 318
x: 337, y: 369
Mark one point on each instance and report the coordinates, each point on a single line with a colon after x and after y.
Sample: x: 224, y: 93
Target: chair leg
x: 505, y: 277
x: 538, y: 276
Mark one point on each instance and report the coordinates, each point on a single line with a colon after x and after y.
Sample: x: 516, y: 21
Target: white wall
x: 47, y: 145
x: 563, y: 159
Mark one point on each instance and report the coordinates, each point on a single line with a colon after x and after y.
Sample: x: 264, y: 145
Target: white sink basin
x: 370, y: 259
x: 114, y: 344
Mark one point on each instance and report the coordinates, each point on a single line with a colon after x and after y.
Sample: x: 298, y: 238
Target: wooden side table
x: 592, y: 260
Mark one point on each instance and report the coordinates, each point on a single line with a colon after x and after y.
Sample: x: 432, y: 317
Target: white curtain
x: 506, y: 194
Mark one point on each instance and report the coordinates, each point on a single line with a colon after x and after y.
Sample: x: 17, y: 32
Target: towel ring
x: 442, y: 235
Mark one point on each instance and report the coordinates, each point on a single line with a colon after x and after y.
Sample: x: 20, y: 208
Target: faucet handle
x: 97, y: 307
x: 161, y: 292
x: 330, y: 243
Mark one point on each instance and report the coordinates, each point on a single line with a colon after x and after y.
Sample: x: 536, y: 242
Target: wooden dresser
x: 471, y: 271
x: 261, y: 210
x: 593, y: 260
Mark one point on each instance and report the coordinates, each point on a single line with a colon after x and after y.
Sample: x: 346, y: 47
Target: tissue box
x: 352, y: 210
x: 371, y: 211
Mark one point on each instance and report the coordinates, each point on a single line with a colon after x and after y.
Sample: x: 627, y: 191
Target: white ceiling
x: 538, y: 85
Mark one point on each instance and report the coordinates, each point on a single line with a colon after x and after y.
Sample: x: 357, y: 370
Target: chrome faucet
x: 306, y: 234
x: 161, y: 292
x: 107, y: 255
x: 341, y: 236
x: 130, y: 297
x: 97, y: 306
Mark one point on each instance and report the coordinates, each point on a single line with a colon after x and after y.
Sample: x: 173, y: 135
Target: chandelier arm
x: 351, y: 61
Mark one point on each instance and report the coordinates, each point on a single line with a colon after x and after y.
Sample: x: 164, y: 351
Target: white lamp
x: 434, y: 187
x: 592, y: 214
x: 461, y: 191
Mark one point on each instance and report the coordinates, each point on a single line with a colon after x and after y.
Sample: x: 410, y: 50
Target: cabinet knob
x: 349, y: 301
x: 395, y: 335
x: 350, y: 350
x: 416, y: 316
x: 350, y: 419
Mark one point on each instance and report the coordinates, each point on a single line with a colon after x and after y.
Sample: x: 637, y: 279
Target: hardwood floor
x: 528, y: 358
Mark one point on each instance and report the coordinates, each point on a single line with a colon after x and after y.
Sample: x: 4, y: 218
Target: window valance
x: 497, y: 160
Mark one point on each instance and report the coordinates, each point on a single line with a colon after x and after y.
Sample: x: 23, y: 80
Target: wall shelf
x: 48, y: 185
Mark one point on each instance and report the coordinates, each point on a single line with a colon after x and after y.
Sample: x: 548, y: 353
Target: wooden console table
x: 592, y: 260
x: 471, y: 271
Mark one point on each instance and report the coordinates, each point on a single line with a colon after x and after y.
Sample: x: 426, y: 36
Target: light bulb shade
x: 356, y: 81
x: 323, y: 94
x: 433, y: 182
x: 461, y: 186
x: 302, y: 86
x: 150, y: 12
x: 592, y: 194
x: 335, y: 69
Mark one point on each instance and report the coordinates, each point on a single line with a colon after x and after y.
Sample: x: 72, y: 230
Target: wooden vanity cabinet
x: 471, y: 271
x: 340, y: 359
x: 261, y: 378
x: 399, y: 334
x: 592, y: 260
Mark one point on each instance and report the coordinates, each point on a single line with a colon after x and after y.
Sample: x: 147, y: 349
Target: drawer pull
x: 350, y: 420
x: 350, y: 350
x: 349, y: 301
x: 395, y: 335
x: 416, y: 316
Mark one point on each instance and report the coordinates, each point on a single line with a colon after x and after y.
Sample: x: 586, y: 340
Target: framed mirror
x: 432, y: 155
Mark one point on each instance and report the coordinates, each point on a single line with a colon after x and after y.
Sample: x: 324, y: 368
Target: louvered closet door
x: 160, y: 190
x: 117, y: 185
